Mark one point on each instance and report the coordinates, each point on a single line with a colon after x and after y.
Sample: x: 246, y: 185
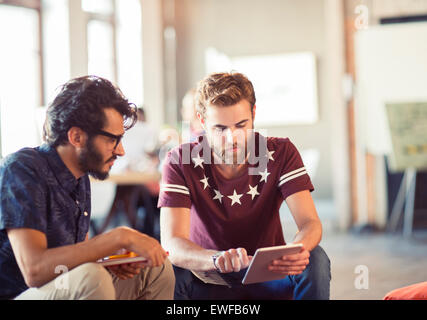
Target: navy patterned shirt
x: 38, y: 191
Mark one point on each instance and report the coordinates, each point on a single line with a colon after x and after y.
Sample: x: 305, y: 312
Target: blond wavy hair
x: 224, y: 89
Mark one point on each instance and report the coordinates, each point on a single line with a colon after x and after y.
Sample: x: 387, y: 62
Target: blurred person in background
x: 138, y: 199
x: 189, y: 115
x: 188, y: 131
x: 141, y: 145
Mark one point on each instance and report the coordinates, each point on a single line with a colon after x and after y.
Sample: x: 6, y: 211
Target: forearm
x: 45, y: 263
x: 186, y: 254
x: 309, y: 234
x: 175, y: 234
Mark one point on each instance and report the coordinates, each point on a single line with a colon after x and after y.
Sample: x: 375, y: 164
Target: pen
x: 119, y: 256
x: 127, y: 255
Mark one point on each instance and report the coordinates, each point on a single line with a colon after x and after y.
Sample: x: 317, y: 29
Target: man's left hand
x: 292, y: 264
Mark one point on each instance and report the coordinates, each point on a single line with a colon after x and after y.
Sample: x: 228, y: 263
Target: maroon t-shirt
x: 238, y: 212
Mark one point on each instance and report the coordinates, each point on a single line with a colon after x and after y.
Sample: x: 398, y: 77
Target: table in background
x: 133, y: 191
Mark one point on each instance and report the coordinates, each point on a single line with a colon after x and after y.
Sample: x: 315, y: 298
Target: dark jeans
x: 311, y: 284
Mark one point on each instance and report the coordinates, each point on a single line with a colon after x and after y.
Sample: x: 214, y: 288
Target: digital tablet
x: 258, y: 268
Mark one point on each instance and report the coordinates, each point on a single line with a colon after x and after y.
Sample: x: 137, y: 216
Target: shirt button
x: 85, y: 213
x: 77, y: 201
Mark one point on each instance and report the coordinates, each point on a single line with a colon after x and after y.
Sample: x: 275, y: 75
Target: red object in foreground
x: 416, y: 291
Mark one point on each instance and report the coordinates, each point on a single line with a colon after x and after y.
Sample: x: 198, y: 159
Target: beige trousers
x: 91, y: 281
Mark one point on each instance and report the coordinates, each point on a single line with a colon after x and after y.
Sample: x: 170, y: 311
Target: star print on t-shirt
x: 235, y: 197
x: 205, y: 182
x: 253, y: 191
x: 238, y: 212
x: 218, y: 196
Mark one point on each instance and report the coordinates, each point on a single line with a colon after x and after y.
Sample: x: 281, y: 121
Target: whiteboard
x: 285, y: 85
x: 408, y: 130
x: 391, y: 67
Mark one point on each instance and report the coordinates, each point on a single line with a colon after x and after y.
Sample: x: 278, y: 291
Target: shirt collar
x: 64, y: 176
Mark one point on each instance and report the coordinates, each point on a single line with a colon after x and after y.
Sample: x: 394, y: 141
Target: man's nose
x: 236, y: 135
x: 119, y: 151
x: 229, y: 136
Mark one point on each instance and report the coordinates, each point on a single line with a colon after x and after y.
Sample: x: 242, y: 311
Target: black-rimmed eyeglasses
x: 117, y: 138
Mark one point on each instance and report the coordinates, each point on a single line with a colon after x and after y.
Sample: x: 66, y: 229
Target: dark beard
x: 90, y: 161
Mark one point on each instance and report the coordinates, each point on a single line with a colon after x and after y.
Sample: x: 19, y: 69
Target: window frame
x: 37, y: 6
x: 110, y: 19
x: 34, y: 5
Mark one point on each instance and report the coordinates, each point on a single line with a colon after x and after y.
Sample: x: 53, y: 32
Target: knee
x: 183, y: 284
x: 319, y: 263
x: 94, y: 282
x: 314, y: 282
x: 164, y: 282
x: 168, y: 274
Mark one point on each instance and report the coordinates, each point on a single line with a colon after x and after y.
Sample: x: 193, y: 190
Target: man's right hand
x: 233, y: 260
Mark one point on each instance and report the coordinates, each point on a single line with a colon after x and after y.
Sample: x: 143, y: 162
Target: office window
x: 27, y: 82
x: 103, y: 7
x: 101, y: 38
x: 129, y: 49
x: 20, y: 77
x: 56, y: 46
x: 115, y: 44
x: 101, y: 49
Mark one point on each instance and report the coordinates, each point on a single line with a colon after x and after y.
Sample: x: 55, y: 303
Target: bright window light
x: 129, y: 49
x: 100, y: 49
x: 19, y: 78
x: 98, y: 6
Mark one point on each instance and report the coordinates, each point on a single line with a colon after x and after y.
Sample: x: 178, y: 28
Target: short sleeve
x: 293, y: 176
x: 174, y: 191
x: 23, y: 198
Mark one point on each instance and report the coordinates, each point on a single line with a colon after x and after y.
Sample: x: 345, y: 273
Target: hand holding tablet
x: 291, y: 264
x: 270, y: 263
x: 273, y: 263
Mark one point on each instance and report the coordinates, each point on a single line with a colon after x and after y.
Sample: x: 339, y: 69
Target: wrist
x: 122, y: 237
x: 215, y: 257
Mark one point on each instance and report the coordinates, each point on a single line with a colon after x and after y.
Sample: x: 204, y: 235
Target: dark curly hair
x: 81, y: 103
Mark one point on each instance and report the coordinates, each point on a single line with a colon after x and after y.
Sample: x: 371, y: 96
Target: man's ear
x: 201, y: 119
x: 253, y: 112
x: 77, y: 137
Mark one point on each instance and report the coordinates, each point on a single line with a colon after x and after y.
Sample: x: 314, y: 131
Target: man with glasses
x: 45, y: 207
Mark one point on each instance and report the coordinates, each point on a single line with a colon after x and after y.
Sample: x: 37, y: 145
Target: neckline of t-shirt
x: 219, y: 175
